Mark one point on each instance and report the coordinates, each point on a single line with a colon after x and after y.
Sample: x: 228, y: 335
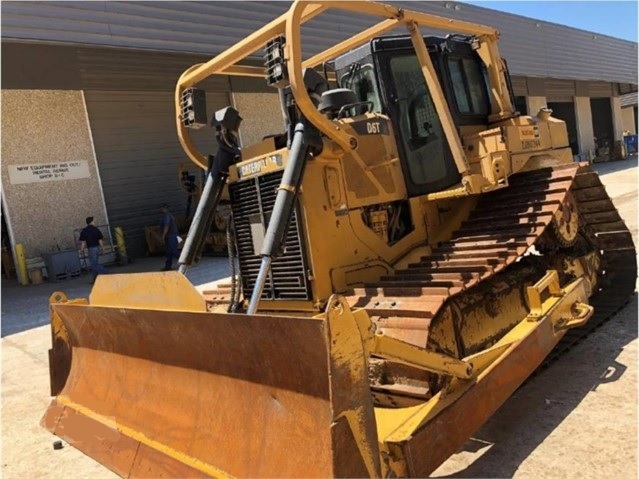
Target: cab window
x: 469, y: 86
x: 420, y: 128
x: 363, y: 83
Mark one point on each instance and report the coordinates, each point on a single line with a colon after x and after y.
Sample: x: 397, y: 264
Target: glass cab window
x: 362, y: 82
x: 469, y: 86
x: 427, y: 154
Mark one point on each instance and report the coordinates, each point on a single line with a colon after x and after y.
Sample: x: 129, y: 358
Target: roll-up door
x: 138, y: 155
x: 565, y: 110
x: 602, y: 125
x: 559, y: 90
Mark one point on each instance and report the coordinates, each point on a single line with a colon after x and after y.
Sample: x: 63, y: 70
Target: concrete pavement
x: 27, y: 450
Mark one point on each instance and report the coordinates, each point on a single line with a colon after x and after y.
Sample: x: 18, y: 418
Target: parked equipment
x: 191, y: 182
x: 410, y: 250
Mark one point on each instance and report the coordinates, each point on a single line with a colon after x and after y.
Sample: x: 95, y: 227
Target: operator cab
x: 386, y: 73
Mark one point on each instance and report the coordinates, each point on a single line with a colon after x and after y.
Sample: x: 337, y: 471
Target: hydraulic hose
x: 226, y: 155
x: 305, y: 143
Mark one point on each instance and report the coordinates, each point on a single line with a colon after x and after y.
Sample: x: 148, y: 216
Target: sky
x: 617, y: 19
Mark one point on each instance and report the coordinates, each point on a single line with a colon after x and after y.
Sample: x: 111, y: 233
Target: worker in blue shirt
x: 169, y: 230
x: 91, y: 239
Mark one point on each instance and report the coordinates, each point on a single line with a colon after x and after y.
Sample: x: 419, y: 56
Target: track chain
x: 503, y: 227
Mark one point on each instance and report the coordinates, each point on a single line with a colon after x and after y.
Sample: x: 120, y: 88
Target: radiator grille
x: 288, y: 279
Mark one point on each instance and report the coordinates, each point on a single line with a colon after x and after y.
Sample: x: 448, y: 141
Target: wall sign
x: 41, y: 172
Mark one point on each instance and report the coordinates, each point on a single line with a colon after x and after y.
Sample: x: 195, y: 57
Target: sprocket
x: 565, y: 222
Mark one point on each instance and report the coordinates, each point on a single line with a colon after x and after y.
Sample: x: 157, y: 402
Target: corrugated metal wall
x: 532, y: 47
x: 519, y: 86
x: 130, y: 105
x: 559, y: 90
x: 600, y: 89
x: 39, y: 66
x: 138, y: 156
x: 629, y: 99
x: 129, y: 96
x: 106, y: 68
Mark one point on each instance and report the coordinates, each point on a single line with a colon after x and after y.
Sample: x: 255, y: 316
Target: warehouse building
x: 88, y: 111
x: 628, y: 104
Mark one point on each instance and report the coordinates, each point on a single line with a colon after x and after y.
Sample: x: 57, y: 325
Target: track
x: 498, y: 233
x: 618, y: 270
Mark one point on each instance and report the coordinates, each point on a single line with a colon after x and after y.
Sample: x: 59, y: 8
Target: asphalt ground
x: 575, y: 419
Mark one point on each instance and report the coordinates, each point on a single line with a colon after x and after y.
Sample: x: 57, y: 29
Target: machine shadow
x: 548, y: 397
x: 614, y: 166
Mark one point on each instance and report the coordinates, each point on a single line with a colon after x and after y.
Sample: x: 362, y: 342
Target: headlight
x: 193, y: 108
x: 276, y: 73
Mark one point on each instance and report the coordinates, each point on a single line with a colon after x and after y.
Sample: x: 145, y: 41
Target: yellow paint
x: 119, y: 241
x: 549, y: 282
x: 405, y: 353
x: 169, y: 291
x: 284, y: 308
x: 372, y: 173
x: 21, y: 261
x: 290, y: 23
x: 398, y: 425
x: 502, y: 106
x: 178, y: 456
x: 347, y: 352
x: 354, y: 419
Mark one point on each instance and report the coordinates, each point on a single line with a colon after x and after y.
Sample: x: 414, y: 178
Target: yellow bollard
x: 21, y: 266
x: 119, y: 241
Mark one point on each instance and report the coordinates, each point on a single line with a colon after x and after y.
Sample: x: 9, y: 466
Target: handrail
x: 290, y: 22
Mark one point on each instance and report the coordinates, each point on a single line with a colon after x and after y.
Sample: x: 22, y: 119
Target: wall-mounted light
x: 457, y: 7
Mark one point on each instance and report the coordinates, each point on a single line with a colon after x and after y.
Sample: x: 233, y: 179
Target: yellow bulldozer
x: 410, y: 249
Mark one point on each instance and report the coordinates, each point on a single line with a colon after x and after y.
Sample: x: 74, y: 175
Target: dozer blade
x: 174, y: 393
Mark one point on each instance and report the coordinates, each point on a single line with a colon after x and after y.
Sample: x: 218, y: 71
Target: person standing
x: 170, y: 236
x: 91, y: 239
